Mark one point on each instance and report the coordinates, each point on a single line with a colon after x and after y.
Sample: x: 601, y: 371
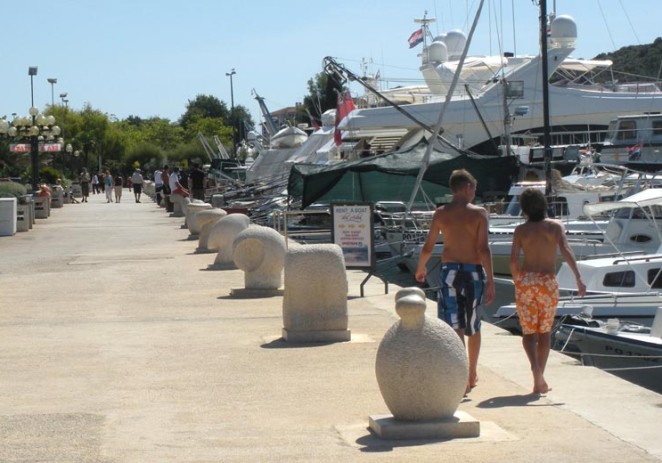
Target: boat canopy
x: 392, y: 176
x: 645, y: 198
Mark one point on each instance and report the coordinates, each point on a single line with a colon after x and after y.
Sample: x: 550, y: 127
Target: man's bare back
x: 460, y: 225
x: 540, y: 242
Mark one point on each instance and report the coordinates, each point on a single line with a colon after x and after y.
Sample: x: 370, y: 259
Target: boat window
x: 655, y: 277
x: 627, y: 130
x: 619, y: 279
x: 657, y: 127
x: 560, y: 206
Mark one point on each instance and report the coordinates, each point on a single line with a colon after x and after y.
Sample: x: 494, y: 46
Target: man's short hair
x: 459, y: 179
x: 533, y: 204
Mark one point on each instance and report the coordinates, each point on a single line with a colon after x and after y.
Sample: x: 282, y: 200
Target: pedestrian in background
x: 119, y: 184
x: 108, y: 186
x: 137, y: 182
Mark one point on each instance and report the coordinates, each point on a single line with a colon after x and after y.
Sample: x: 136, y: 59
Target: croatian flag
x: 634, y: 152
x: 415, y: 38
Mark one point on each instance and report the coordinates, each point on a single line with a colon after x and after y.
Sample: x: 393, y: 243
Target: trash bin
x: 41, y: 207
x: 23, y: 217
x: 57, y: 200
x: 7, y: 216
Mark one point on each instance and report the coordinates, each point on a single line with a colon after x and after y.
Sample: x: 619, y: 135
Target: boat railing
x: 303, y: 225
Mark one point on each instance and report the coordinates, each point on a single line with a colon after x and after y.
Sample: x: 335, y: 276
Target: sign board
x: 43, y: 147
x: 353, y: 231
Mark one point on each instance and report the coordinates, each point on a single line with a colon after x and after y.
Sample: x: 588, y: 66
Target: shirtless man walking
x: 536, y: 289
x: 466, y: 271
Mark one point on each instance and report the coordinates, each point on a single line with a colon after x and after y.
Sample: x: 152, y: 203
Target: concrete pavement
x: 116, y: 345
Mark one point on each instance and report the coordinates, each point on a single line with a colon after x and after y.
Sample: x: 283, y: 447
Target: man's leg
x: 474, y: 350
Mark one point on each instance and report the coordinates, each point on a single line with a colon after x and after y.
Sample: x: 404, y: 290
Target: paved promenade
x: 118, y: 346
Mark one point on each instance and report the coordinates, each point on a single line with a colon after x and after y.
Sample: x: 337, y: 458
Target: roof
x: 646, y: 198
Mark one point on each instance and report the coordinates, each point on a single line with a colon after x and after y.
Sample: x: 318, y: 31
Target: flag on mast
x: 415, y: 38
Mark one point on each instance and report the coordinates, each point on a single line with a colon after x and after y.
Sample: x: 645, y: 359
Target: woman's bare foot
x: 473, y: 381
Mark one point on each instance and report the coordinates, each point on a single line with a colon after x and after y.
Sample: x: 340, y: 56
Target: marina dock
x: 118, y: 345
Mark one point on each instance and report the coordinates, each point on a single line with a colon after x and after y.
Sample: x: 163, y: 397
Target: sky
x: 148, y: 58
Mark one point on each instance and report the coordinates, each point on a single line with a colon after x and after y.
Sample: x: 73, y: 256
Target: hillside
x: 636, y: 62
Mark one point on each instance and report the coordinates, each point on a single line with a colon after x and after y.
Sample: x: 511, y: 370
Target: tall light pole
x: 234, y: 128
x: 52, y: 81
x: 34, y: 142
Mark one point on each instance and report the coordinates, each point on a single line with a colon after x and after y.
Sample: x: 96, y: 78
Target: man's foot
x: 473, y: 381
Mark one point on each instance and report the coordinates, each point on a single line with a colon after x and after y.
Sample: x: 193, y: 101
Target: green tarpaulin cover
x: 392, y: 177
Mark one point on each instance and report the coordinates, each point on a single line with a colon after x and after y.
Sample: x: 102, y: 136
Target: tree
x: 322, y: 96
x: 204, y: 106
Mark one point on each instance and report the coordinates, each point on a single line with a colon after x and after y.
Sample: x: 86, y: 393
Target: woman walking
x: 108, y: 184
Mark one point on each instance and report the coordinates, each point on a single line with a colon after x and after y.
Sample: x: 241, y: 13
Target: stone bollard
x: 422, y: 372
x: 23, y: 217
x: 192, y: 209
x: 57, y: 200
x: 206, y: 220
x: 315, y: 295
x: 221, y: 237
x: 260, y: 253
x: 179, y: 203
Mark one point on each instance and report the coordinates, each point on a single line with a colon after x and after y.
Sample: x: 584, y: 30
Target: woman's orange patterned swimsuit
x: 536, y: 298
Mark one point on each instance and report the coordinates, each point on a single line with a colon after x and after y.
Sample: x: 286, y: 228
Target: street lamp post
x: 234, y: 129
x: 35, y: 127
x: 52, y: 81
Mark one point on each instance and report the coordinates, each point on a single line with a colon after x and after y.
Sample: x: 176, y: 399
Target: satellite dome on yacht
x: 437, y: 52
x: 563, y: 32
x: 455, y: 42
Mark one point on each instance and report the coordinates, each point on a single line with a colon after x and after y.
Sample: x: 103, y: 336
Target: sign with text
x: 353, y: 229
x: 43, y: 147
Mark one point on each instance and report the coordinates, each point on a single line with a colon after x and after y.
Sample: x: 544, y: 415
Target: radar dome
x: 438, y: 52
x: 455, y: 41
x: 563, y: 31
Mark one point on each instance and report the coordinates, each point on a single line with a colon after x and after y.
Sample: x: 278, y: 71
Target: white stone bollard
x: 179, y: 203
x: 192, y: 209
x: 315, y: 294
x: 206, y: 220
x: 422, y: 372
x: 260, y: 253
x: 221, y: 237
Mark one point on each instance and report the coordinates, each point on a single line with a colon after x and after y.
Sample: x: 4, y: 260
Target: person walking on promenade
x: 85, y: 184
x: 119, y: 184
x: 176, y: 188
x: 158, y: 185
x: 536, y: 289
x: 95, y: 184
x: 165, y: 178
x: 197, y: 182
x: 137, y: 182
x: 466, y: 276
x: 108, y: 186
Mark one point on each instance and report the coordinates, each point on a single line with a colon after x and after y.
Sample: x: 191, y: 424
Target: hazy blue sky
x: 149, y: 57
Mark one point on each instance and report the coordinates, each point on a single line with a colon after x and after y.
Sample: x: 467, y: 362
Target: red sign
x: 43, y: 147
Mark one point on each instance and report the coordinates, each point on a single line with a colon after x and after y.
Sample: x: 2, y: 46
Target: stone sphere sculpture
x: 192, y: 209
x: 206, y: 219
x: 222, y: 235
x: 260, y: 253
x: 421, y: 365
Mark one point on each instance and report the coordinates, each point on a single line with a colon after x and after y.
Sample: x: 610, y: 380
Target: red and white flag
x: 415, y: 38
x: 345, y: 106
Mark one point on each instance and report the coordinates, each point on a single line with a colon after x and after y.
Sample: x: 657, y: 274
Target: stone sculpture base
x: 461, y: 425
x: 252, y: 293
x: 317, y: 336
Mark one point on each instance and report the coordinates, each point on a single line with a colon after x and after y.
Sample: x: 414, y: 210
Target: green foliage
x: 12, y: 190
x: 205, y: 107
x: 637, y: 62
x: 50, y: 174
x: 323, y: 95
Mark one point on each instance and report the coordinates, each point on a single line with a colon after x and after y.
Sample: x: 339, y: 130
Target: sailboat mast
x: 547, y: 142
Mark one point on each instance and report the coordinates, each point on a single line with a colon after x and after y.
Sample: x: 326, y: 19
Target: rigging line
x: 627, y: 16
x: 604, y: 19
